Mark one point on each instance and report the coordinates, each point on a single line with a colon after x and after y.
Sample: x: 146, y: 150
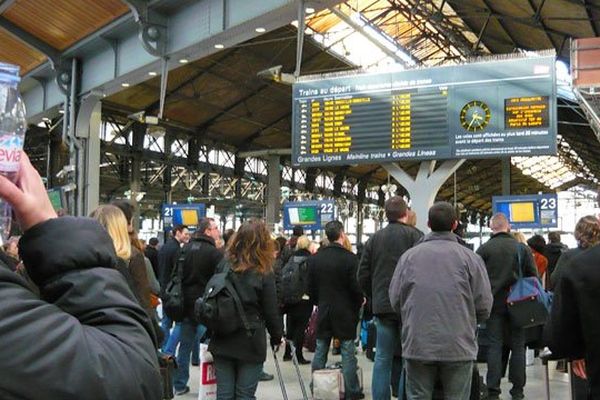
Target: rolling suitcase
x: 578, y: 387
x: 296, y: 367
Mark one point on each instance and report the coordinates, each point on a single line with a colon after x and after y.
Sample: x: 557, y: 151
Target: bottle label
x: 10, y: 152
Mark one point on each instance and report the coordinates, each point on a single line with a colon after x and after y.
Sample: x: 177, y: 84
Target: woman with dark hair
x: 537, y: 244
x: 238, y: 357
x: 587, y: 234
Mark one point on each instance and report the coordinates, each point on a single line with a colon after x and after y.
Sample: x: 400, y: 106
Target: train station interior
x: 191, y: 108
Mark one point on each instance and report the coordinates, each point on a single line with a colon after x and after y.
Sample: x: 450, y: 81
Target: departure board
x: 488, y: 109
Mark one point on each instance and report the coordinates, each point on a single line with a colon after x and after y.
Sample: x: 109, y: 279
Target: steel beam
x: 192, y: 31
x: 5, y: 5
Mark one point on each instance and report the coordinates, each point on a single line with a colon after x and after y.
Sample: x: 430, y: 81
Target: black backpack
x: 220, y: 308
x: 172, y: 297
x: 293, y: 280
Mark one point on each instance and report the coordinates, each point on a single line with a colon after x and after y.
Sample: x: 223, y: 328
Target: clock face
x: 475, y: 116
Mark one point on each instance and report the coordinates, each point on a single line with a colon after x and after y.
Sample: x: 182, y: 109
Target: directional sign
x: 528, y: 211
x: 311, y: 215
x: 182, y: 214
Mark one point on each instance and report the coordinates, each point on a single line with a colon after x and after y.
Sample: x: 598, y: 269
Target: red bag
x: 310, y: 334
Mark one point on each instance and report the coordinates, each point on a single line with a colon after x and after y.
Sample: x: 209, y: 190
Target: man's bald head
x: 499, y: 223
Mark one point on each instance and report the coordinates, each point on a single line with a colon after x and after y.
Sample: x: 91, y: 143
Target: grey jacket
x: 441, y: 290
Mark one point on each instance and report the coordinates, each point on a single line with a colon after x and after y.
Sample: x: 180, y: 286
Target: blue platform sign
x: 311, y: 215
x: 528, y: 211
x: 182, y: 214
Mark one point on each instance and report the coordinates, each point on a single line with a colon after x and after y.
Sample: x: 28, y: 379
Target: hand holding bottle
x: 27, y: 196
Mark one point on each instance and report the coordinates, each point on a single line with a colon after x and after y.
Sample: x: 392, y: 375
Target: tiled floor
x: 534, y: 389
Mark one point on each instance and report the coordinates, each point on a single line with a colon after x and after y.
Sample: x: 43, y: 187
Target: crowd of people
x: 97, y: 285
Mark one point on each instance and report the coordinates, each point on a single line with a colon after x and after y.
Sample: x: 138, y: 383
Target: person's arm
x: 270, y: 309
x: 141, y: 283
x: 313, y: 289
x: 528, y: 262
x: 481, y: 289
x: 395, y: 284
x: 364, y: 269
x: 86, y: 337
x: 154, y: 285
x: 357, y: 294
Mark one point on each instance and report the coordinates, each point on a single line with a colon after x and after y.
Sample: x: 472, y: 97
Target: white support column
x: 425, y: 186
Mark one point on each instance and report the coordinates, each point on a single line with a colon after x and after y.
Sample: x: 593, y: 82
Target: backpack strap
x: 236, y: 298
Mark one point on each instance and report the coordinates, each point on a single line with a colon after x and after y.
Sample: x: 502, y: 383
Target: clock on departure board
x: 475, y: 116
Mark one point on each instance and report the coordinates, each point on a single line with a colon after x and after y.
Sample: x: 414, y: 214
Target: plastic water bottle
x: 12, y: 134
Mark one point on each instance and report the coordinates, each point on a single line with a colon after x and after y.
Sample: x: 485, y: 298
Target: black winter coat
x: 259, y: 298
x: 85, y: 337
x: 152, y: 254
x: 574, y: 328
x: 201, y: 260
x: 378, y: 263
x: 563, y: 263
x: 553, y: 252
x: 334, y: 289
x: 501, y: 261
x: 167, y: 257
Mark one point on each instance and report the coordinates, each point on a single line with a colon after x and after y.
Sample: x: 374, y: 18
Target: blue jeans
x: 388, y: 335
x: 349, y: 364
x: 236, y: 379
x: 422, y: 375
x: 189, y: 330
x: 496, y: 326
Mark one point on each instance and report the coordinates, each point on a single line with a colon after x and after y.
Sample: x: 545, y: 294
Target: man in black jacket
x: 167, y: 257
x: 334, y: 289
x: 574, y: 328
x: 200, y: 261
x: 85, y: 336
x: 501, y: 255
x: 380, y: 257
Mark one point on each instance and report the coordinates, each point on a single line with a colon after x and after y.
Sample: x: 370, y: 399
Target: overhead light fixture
x: 219, y: 46
x: 61, y: 111
x: 260, y: 30
x: 125, y: 84
x: 184, y: 61
x: 152, y: 73
x: 46, y: 119
x: 309, y: 10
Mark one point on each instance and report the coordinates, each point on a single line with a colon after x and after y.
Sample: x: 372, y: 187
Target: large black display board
x: 488, y: 109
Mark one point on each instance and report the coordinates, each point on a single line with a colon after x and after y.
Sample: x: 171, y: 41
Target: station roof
x: 220, y: 99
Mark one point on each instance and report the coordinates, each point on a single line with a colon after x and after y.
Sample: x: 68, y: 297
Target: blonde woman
x: 519, y: 236
x: 130, y: 261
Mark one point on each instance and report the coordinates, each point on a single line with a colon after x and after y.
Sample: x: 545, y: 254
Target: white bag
x: 328, y: 384
x: 208, y: 375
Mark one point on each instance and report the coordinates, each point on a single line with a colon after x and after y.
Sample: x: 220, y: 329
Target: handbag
x: 528, y: 303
